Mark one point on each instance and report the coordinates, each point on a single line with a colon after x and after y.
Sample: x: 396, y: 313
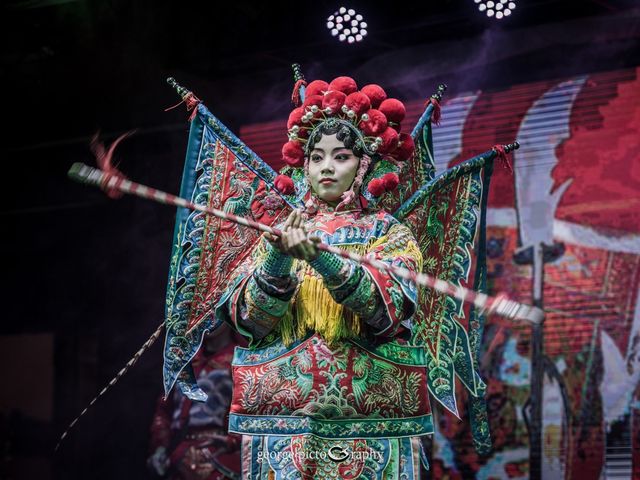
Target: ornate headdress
x: 367, y: 116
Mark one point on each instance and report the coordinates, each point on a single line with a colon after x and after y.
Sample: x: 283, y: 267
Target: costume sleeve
x: 266, y: 294
x: 382, y: 300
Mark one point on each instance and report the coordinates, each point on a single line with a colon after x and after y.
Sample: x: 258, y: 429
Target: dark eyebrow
x: 332, y: 151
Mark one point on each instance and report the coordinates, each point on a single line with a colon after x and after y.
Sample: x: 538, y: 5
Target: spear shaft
x: 499, y: 304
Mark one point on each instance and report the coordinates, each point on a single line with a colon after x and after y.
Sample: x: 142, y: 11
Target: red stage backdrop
x: 576, y: 184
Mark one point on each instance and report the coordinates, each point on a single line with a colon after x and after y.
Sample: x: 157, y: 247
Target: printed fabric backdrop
x: 576, y: 189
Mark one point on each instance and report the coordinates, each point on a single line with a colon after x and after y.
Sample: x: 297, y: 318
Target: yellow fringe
x: 314, y: 309
x: 317, y: 311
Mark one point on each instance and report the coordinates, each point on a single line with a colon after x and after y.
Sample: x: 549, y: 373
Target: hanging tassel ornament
x: 188, y: 98
x: 298, y: 94
x: 501, y: 154
x: 296, y: 98
x: 104, y: 159
x: 435, y: 101
x: 437, y: 113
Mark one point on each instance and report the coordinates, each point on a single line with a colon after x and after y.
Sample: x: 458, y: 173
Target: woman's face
x: 332, y: 169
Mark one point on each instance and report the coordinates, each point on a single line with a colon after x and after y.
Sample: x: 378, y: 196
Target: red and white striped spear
x: 499, y: 304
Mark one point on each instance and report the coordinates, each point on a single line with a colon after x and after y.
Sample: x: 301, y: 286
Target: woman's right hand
x: 294, y: 240
x: 293, y: 220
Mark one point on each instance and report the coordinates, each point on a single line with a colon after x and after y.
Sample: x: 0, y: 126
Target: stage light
x: 347, y: 25
x: 496, y: 8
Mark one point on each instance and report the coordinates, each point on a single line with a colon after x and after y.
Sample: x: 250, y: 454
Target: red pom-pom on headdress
x: 284, y: 184
x: 317, y: 87
x: 374, y: 123
x: 358, y: 102
x: 346, y: 85
x: 376, y: 187
x: 312, y: 100
x: 334, y: 99
x: 405, y: 148
x: 295, y: 117
x: 389, y: 141
x: 376, y: 117
x: 390, y: 181
x: 393, y: 109
x: 375, y: 93
x: 293, y: 154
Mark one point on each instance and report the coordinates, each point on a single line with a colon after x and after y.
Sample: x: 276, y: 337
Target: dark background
x: 87, y: 274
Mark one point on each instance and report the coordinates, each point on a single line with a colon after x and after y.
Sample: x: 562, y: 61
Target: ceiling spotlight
x: 496, y: 8
x: 348, y: 25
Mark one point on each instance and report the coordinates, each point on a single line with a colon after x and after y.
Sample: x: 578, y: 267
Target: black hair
x: 342, y: 132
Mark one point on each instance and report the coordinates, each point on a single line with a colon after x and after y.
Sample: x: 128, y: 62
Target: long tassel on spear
x: 114, y: 183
